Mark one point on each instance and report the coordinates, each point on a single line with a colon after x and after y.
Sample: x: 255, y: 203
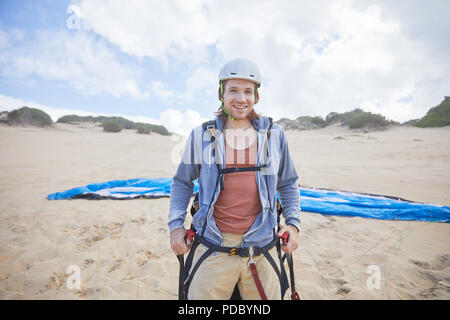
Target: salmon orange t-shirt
x: 238, y: 204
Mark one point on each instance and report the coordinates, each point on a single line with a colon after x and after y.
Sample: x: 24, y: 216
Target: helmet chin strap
x: 227, y: 113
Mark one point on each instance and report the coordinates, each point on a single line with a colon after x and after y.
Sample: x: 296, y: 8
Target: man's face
x: 239, y: 97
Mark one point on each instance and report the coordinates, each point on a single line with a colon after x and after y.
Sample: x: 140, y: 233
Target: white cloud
x: 157, y: 29
x: 78, y: 59
x: 200, y: 80
x: 181, y: 122
x: 315, y: 57
x: 159, y: 90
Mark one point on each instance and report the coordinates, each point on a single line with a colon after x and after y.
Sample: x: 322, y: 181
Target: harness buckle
x: 212, y: 130
x: 251, y: 253
x: 189, y: 237
x: 232, y: 252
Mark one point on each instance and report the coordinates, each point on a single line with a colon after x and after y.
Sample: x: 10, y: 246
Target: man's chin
x: 240, y: 117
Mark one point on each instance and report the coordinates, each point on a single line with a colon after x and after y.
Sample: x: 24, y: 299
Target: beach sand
x: 121, y: 248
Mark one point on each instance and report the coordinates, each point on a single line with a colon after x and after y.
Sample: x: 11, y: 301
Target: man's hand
x: 292, y: 243
x: 177, y: 241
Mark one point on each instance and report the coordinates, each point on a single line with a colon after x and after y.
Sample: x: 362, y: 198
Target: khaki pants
x: 218, y: 274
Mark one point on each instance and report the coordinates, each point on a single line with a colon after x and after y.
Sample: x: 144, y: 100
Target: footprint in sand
x: 139, y: 221
x: 98, y: 232
x: 163, y: 230
x: 328, y: 268
x: 84, y: 293
x: 432, y: 272
x: 88, y: 261
x: 57, y: 280
x: 144, y: 256
x: 421, y: 264
x: 336, y: 282
x: 440, y: 262
x: 116, y: 265
x: 343, y: 290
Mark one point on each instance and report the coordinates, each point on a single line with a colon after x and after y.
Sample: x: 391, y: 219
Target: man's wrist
x: 291, y: 225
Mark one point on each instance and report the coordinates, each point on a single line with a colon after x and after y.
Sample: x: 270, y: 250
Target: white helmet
x: 240, y: 69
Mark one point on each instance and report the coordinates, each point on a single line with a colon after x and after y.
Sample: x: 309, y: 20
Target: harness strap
x: 180, y: 282
x: 242, y: 252
x: 252, y: 265
x: 240, y: 169
x: 290, y: 260
x: 196, y: 266
x: 281, y: 273
x: 258, y: 283
x: 188, y: 265
x: 209, y: 207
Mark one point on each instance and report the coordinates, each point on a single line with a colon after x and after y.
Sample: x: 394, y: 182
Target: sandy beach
x: 122, y: 247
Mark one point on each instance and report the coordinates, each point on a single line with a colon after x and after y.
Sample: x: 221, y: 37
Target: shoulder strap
x: 270, y: 127
x: 211, y: 127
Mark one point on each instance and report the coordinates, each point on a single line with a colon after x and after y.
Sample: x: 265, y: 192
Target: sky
x: 158, y: 61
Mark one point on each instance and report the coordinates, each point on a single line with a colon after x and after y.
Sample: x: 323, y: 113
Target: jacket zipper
x: 216, y: 196
x: 258, y: 182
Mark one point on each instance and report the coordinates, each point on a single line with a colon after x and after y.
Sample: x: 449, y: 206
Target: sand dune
x: 122, y: 247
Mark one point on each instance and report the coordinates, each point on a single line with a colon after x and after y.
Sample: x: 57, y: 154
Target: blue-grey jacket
x: 199, y: 161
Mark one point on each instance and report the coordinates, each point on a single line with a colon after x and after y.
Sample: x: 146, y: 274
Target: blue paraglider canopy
x: 329, y: 202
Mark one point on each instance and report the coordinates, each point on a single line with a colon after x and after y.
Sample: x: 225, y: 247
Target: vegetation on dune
x: 438, y: 116
x: 143, y: 129
x: 355, y: 119
x: 27, y: 116
x: 111, y: 126
x: 140, y: 127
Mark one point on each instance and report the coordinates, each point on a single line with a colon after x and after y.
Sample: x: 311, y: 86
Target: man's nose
x: 241, y: 96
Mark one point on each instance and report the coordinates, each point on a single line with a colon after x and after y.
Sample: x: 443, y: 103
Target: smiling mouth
x: 240, y: 108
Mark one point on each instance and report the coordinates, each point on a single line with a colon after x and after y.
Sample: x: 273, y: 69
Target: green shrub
x: 367, y: 119
x: 124, y: 123
x: 438, y: 116
x: 111, y: 126
x: 153, y: 128
x: 143, y: 130
x: 359, y: 120
x: 318, y: 121
x: 72, y: 118
x: 29, y: 116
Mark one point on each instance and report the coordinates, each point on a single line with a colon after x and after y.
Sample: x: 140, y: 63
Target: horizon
x: 88, y: 58
x: 56, y: 114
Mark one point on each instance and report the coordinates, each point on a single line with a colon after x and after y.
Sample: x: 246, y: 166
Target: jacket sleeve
x: 287, y: 185
x: 183, y: 186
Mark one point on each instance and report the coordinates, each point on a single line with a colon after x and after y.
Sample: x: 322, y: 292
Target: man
x: 237, y: 207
